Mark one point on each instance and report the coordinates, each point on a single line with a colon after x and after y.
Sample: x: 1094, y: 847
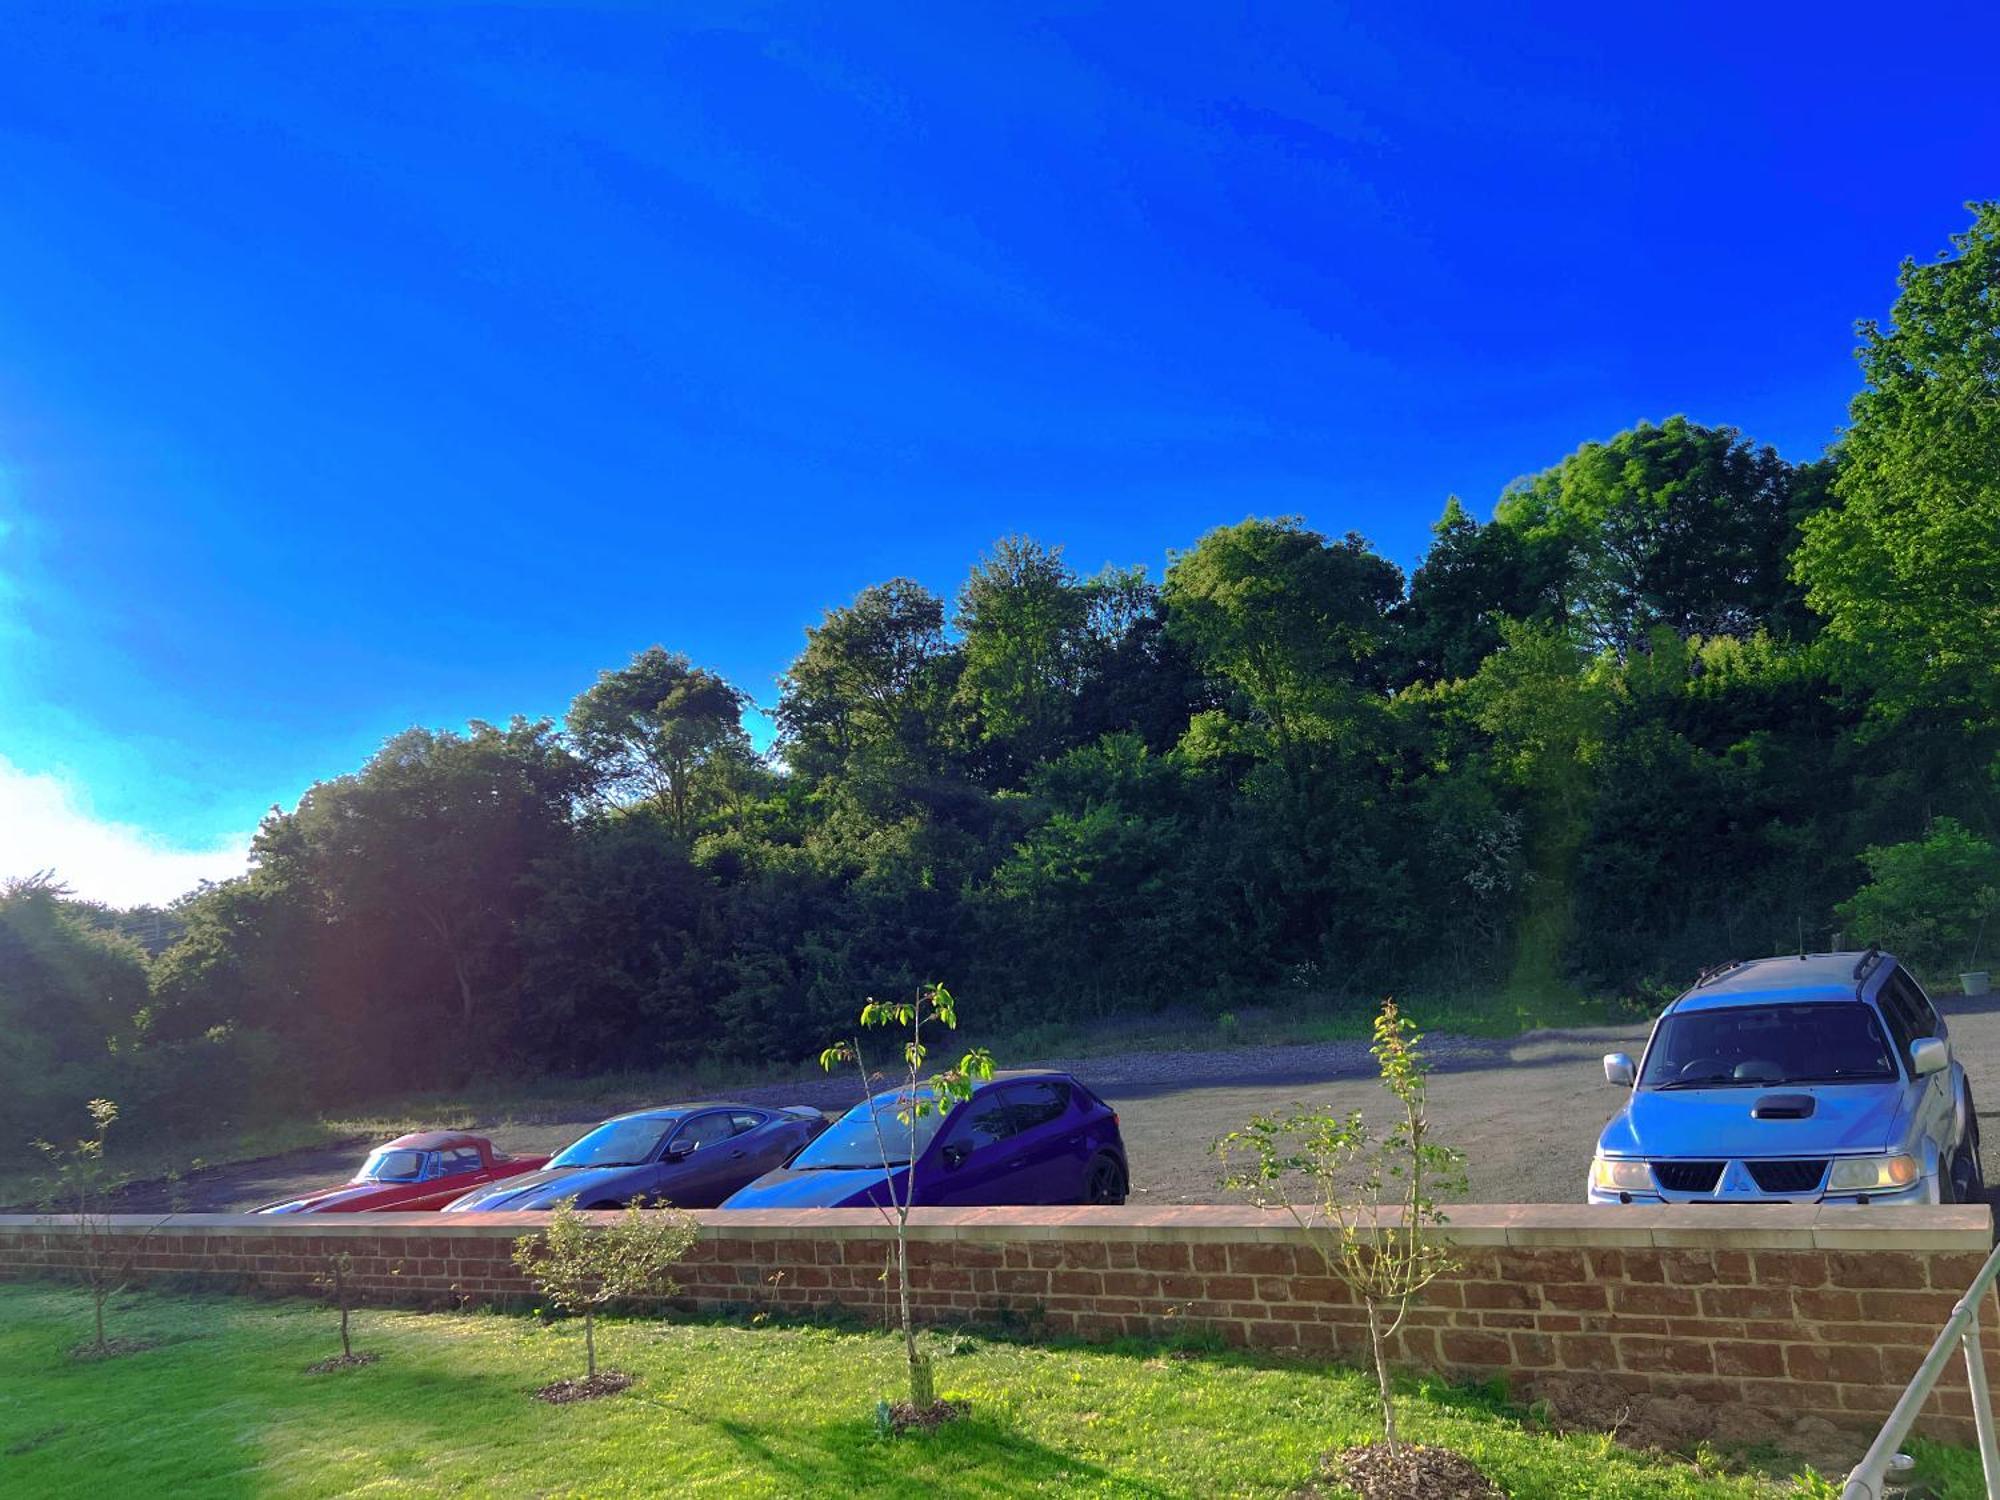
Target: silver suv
x: 1822, y: 1078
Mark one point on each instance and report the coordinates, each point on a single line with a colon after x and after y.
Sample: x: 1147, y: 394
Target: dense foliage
x: 1679, y: 700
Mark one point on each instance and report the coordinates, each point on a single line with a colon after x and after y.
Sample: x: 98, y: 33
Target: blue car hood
x: 1846, y: 1118
x: 546, y: 1188
x: 837, y: 1187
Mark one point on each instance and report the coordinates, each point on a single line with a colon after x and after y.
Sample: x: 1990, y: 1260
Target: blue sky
x: 360, y: 369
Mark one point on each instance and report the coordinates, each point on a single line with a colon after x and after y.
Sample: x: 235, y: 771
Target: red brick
x: 1585, y: 1352
x: 1466, y: 1347
x: 1868, y: 1270
x: 1672, y: 1301
x: 1733, y: 1358
x: 1791, y: 1267
x: 1845, y: 1363
x: 1678, y: 1356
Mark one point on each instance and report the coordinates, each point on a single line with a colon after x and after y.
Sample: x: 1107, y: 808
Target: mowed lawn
x: 222, y: 1406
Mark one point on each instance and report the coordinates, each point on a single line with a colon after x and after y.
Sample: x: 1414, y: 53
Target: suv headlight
x: 1872, y: 1174
x: 1614, y: 1176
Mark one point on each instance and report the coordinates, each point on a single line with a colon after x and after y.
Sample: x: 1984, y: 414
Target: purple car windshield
x: 852, y: 1141
x: 619, y: 1143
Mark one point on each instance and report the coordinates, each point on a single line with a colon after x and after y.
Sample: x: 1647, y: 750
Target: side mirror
x: 1928, y: 1055
x: 678, y: 1152
x: 954, y: 1156
x: 1618, y: 1069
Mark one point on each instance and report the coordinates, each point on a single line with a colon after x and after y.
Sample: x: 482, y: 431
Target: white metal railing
x: 1960, y: 1331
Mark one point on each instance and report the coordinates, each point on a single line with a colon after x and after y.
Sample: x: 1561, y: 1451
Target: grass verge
x: 222, y: 1406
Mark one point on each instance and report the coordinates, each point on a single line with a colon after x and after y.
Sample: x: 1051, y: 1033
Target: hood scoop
x: 1783, y: 1107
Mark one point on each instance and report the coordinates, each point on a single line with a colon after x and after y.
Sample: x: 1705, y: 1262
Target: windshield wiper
x: 1840, y: 1078
x: 1719, y: 1081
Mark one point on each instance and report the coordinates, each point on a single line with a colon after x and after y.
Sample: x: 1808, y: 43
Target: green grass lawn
x: 221, y: 1406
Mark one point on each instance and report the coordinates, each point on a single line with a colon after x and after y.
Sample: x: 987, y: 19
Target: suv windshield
x: 851, y: 1140
x: 621, y: 1143
x: 1760, y: 1045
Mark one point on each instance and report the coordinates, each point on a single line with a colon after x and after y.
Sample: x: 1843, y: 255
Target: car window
x: 1036, y: 1104
x: 393, y: 1165
x: 703, y: 1130
x: 460, y: 1159
x: 616, y: 1143
x: 1762, y: 1045
x: 1902, y: 1021
x: 987, y: 1119
x: 1923, y: 1015
x: 862, y: 1136
x: 742, y: 1122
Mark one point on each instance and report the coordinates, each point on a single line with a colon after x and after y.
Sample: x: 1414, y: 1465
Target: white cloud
x: 45, y: 826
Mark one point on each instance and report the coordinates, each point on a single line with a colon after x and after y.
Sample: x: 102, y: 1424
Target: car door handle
x: 736, y: 1155
x: 1019, y: 1161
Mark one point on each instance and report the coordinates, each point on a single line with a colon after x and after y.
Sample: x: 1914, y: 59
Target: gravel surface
x: 1526, y: 1110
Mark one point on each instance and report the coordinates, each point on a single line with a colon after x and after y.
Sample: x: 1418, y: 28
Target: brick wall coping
x: 1800, y: 1226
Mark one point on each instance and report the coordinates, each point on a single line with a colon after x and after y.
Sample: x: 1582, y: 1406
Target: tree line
x: 1678, y: 700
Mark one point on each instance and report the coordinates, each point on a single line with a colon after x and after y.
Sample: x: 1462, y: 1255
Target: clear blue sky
x: 366, y: 369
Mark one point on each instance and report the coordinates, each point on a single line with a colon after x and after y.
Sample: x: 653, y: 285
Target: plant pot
x: 1978, y: 982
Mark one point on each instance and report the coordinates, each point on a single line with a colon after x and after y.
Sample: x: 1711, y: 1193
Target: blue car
x: 1022, y: 1138
x: 1827, y: 1078
x: 689, y: 1155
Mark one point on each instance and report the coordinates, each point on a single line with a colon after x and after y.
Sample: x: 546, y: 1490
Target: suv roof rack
x: 1716, y: 971
x: 1864, y: 966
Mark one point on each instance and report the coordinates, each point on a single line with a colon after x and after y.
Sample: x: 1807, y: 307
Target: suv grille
x: 1687, y: 1176
x: 1787, y: 1176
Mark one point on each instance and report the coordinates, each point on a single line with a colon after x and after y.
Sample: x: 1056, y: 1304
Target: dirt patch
x: 904, y: 1417
x: 563, y: 1392
x: 111, y: 1349
x: 1674, y: 1424
x: 1413, y: 1472
x: 341, y: 1362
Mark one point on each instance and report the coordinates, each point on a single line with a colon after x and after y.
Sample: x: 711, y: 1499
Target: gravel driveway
x: 1526, y: 1110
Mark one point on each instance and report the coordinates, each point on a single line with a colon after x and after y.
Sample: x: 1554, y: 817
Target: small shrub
x: 581, y: 1267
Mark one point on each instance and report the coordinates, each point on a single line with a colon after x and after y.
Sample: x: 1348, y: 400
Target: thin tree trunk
x: 340, y: 1291
x: 98, y: 1308
x: 1377, y: 1339
x: 590, y: 1342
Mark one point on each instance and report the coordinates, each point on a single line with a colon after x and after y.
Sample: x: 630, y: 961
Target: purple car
x: 1020, y: 1138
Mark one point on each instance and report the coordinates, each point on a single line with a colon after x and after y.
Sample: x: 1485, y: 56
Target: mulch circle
x: 113, y: 1349
x: 1414, y: 1473
x: 562, y: 1392
x: 341, y: 1362
x: 904, y: 1417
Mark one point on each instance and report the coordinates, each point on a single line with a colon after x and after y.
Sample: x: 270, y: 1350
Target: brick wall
x: 1789, y: 1310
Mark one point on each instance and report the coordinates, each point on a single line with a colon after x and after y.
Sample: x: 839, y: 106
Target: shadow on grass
x: 837, y: 1457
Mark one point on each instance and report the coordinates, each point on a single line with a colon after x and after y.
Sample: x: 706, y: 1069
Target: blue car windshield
x: 386, y: 1165
x: 1756, y: 1046
x: 851, y: 1141
x: 620, y: 1143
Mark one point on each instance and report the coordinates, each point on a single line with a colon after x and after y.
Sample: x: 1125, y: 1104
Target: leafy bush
x: 1930, y: 899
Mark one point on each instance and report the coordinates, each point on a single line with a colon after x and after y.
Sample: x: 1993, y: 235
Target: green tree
x: 1930, y: 899
x: 1906, y: 566
x: 1678, y: 526
x: 1367, y: 1200
x: 1472, y: 578
x: 1293, y: 622
x: 870, y: 695
x: 665, y: 732
x: 79, y: 1184
x: 916, y: 1098
x: 66, y: 986
x: 581, y: 1266
x: 1024, y: 619
x: 415, y: 871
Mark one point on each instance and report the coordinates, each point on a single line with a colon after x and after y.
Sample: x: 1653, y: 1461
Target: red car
x: 413, y: 1174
